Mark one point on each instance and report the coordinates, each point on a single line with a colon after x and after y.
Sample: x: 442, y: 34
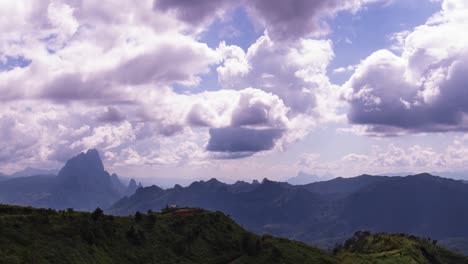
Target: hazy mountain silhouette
x: 132, y: 187
x: 423, y: 204
x: 118, y: 184
x: 32, y: 172
x: 343, y: 186
x: 304, y: 178
x: 82, y: 184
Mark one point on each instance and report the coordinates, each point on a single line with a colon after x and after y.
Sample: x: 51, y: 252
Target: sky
x: 245, y: 89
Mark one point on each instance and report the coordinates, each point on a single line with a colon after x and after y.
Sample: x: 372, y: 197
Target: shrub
x: 97, y: 214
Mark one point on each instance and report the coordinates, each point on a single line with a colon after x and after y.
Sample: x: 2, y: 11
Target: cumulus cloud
x: 392, y: 158
x: 112, y: 114
x: 102, y: 75
x: 95, y: 73
x: 295, y: 73
x: 285, y: 20
x: 194, y: 12
x: 294, y: 19
x: 246, y: 140
x: 423, y: 89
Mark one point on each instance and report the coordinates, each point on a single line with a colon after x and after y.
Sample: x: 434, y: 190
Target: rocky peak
x: 85, y: 163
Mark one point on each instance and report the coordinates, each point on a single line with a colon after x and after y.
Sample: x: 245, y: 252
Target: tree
x: 138, y: 217
x: 249, y: 244
x: 135, y: 237
x: 151, y: 220
x: 97, y: 214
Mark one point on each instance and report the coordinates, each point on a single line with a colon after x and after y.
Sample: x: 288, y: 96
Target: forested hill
x: 183, y: 235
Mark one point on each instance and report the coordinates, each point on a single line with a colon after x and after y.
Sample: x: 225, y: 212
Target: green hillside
x: 381, y: 248
x: 183, y: 235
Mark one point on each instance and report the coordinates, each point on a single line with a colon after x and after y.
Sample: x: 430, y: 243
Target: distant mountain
x: 33, y: 172
x: 81, y: 184
x: 242, y: 186
x: 132, y: 187
x: 304, y: 178
x: 118, y: 184
x: 422, y: 204
x: 186, y: 235
x: 342, y: 187
x: 26, y: 190
x: 457, y: 175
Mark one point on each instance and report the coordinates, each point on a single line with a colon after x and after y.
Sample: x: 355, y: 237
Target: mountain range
x: 82, y: 184
x: 324, y: 213
x: 28, y: 171
x: 321, y: 213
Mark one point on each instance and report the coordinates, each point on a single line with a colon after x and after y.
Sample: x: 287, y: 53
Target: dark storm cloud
x: 242, y: 140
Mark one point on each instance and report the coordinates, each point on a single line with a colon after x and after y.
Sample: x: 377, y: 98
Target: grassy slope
x: 179, y: 236
x: 395, y: 248
x: 193, y: 236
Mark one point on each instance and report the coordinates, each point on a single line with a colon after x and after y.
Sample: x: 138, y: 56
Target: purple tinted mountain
x: 118, y: 184
x: 423, y: 205
x: 82, y: 184
x: 304, y: 178
x: 132, y: 187
x: 341, y: 187
x: 32, y: 172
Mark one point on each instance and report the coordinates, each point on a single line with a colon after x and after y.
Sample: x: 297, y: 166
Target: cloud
x: 284, y: 20
x: 244, y: 140
x: 421, y: 90
x: 348, y: 68
x: 17, y: 141
x: 112, y: 114
x: 194, y: 12
x: 103, y: 75
x: 293, y: 19
x: 293, y: 72
x: 85, y: 57
x: 160, y: 60
x: 392, y: 158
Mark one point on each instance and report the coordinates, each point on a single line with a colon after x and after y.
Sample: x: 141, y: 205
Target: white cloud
x: 393, y: 159
x: 421, y: 90
x: 285, y: 20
